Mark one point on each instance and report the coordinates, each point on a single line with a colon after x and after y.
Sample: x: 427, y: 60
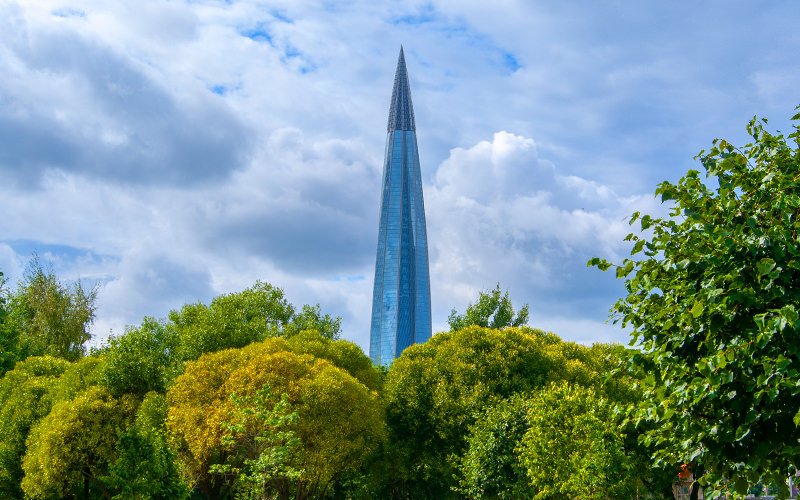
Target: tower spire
x: 401, y: 111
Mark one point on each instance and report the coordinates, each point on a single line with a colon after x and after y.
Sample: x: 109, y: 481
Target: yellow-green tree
x: 27, y: 394
x: 69, y: 451
x: 574, y: 446
x: 24, y: 399
x: 344, y: 354
x: 339, y: 420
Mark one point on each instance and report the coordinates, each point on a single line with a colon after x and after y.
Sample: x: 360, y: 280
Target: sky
x: 173, y: 151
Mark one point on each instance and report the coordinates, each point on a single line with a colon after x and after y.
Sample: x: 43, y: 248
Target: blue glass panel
x: 401, y: 297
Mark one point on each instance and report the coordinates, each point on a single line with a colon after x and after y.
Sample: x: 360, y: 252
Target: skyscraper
x: 401, y: 299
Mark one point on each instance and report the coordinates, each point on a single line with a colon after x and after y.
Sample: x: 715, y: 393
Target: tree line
x: 247, y: 397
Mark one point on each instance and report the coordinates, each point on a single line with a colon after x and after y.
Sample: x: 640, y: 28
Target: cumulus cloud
x: 498, y: 212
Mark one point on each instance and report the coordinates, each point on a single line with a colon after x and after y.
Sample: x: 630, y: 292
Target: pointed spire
x: 401, y: 112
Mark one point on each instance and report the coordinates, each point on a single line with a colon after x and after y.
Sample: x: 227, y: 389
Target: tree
x: 713, y: 306
x: 24, y: 399
x: 27, y: 394
x: 52, y: 318
x: 232, y: 320
x: 235, y: 320
x: 435, y: 391
x: 339, y: 420
x: 574, y: 446
x: 311, y: 318
x: 9, y: 336
x: 263, y: 427
x: 342, y: 353
x: 490, y: 311
x: 69, y: 451
x: 490, y: 466
x: 141, y: 360
x: 146, y: 467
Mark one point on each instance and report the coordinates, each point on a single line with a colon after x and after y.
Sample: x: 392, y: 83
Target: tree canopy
x: 435, y: 391
x: 70, y: 449
x: 492, y: 310
x: 713, y: 303
x: 339, y: 420
x: 48, y: 317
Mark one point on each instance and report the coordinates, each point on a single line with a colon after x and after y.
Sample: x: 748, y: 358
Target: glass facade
x: 401, y: 300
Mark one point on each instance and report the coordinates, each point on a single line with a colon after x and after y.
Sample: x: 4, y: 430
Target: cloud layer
x: 172, y: 151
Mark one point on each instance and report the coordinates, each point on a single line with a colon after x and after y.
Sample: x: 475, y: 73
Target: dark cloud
x: 301, y: 240
x: 77, y: 106
x: 151, y: 284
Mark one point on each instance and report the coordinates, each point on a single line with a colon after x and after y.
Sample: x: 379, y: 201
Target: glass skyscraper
x: 401, y: 300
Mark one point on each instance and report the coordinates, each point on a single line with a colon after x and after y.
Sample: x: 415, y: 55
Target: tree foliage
x: 50, y: 317
x: 435, y: 391
x: 344, y: 354
x: 339, y: 419
x: 9, y: 336
x: 237, y: 319
x: 574, y: 446
x: 492, y: 310
x: 146, y: 466
x: 232, y: 320
x: 263, y: 427
x: 311, y: 318
x: 25, y: 397
x: 713, y: 306
x: 141, y: 360
x: 490, y: 466
x: 70, y: 449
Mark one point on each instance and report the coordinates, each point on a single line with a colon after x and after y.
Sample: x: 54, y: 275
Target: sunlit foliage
x: 339, y: 419
x: 712, y: 297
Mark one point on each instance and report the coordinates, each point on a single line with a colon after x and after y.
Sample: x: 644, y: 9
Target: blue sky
x: 176, y: 150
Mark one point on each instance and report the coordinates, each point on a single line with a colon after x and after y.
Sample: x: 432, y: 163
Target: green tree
x: 713, y: 306
x: 232, y: 320
x: 146, y: 466
x: 261, y: 426
x: 51, y: 318
x: 490, y: 467
x: 141, y: 360
x: 311, y: 318
x: 437, y: 390
x: 9, y: 336
x: 492, y: 310
x: 575, y: 447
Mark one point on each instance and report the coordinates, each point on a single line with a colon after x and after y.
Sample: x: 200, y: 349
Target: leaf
x: 765, y: 265
x: 742, y: 432
x: 697, y: 309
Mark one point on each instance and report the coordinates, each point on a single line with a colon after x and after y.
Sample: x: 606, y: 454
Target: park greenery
x: 249, y: 397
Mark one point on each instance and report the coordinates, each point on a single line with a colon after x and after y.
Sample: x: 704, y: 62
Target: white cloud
x: 499, y: 213
x: 177, y: 150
